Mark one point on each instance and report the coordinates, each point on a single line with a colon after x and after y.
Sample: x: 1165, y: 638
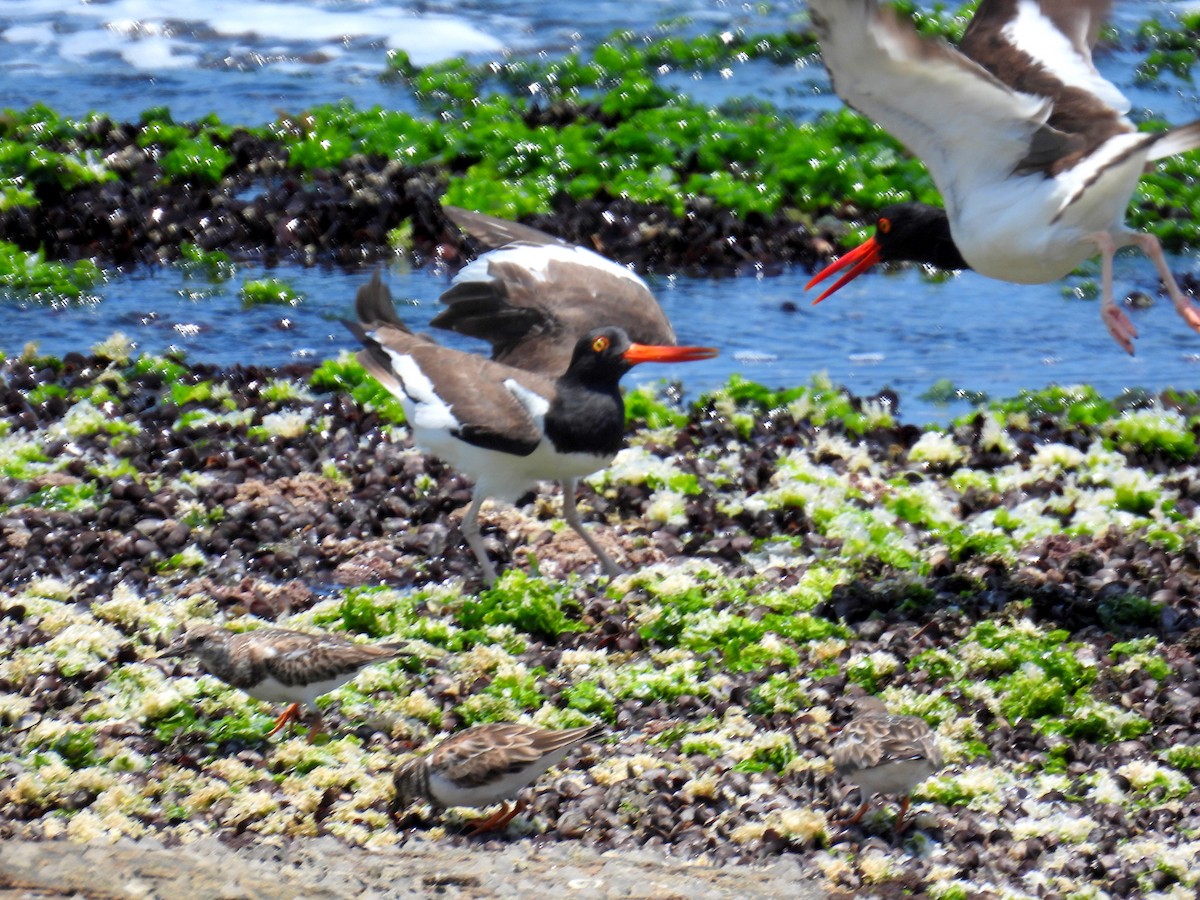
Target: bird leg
x: 900, y: 818
x: 1150, y: 245
x: 1114, y: 318
x: 470, y: 530
x: 318, y: 727
x: 854, y: 819
x: 291, y: 714
x: 498, y: 820
x: 571, y: 514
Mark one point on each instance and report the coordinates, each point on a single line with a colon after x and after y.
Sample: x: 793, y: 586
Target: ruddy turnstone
x: 483, y: 765
x: 884, y: 753
x: 278, y: 665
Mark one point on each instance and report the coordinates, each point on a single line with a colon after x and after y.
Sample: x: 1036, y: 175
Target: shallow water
x: 247, y: 60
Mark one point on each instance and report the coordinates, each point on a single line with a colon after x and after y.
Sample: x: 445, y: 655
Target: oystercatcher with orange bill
x: 506, y: 427
x: 535, y: 296
x: 1028, y: 143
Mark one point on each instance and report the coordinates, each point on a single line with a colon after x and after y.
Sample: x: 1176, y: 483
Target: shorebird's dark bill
x: 861, y: 257
x: 640, y: 353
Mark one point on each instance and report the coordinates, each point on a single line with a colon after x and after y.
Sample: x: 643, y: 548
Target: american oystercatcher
x: 506, y: 427
x: 278, y: 665
x: 1027, y: 142
x: 483, y: 765
x: 537, y: 295
x: 883, y: 753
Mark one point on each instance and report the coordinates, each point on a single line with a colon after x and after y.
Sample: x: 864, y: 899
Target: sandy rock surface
x: 324, y: 869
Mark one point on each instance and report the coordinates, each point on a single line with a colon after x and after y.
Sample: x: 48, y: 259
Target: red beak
x: 640, y: 353
x: 861, y: 257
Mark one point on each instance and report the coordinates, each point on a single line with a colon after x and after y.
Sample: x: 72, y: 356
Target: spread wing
x: 966, y: 124
x: 533, y: 298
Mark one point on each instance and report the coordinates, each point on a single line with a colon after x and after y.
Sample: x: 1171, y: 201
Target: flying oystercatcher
x: 535, y: 296
x: 506, y: 427
x: 1027, y: 142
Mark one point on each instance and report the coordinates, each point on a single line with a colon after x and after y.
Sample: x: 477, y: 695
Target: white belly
x: 503, y: 475
x: 505, y: 787
x: 895, y: 778
x: 1032, y: 229
x: 273, y: 691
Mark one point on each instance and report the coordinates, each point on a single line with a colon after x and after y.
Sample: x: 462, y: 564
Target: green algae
x: 530, y: 604
x: 1034, y: 675
x: 196, y: 159
x: 1171, y: 46
x: 347, y: 375
x: 213, y: 265
x: 30, y: 271
x: 270, y: 292
x: 591, y: 699
x: 504, y: 699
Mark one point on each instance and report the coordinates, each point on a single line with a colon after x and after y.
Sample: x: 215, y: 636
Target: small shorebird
x: 537, y: 295
x: 277, y: 665
x: 506, y: 427
x: 883, y: 753
x: 1029, y: 145
x: 483, y: 765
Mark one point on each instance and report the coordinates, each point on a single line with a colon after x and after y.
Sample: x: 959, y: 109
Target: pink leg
x: 900, y: 818
x: 1149, y: 245
x: 1114, y: 318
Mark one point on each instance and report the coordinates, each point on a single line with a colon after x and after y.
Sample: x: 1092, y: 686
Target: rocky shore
x: 1026, y: 581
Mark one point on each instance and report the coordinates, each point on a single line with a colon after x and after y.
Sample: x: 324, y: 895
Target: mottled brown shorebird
x: 486, y: 764
x: 278, y: 665
x: 883, y: 753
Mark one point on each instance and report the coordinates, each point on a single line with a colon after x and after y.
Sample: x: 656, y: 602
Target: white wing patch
x: 1035, y: 34
x: 430, y: 410
x: 535, y: 404
x: 536, y: 257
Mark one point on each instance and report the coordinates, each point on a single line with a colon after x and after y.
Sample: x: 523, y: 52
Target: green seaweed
x: 269, y: 291
x: 530, y: 604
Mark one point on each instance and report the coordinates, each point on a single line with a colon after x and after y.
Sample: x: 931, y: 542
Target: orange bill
x: 861, y: 258
x: 640, y: 353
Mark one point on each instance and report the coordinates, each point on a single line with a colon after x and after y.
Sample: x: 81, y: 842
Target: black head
x: 603, y: 355
x: 916, y: 232
x: 904, y: 232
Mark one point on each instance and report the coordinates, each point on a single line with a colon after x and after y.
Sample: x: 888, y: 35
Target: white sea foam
x: 148, y: 36
x: 29, y: 34
x: 156, y: 54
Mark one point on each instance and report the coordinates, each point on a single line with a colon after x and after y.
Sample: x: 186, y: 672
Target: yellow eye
x: 600, y: 344
x: 884, y: 225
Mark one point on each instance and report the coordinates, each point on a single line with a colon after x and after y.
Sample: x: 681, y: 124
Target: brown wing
x: 294, y: 657
x: 443, y: 388
x: 493, y: 232
x: 1082, y: 116
x: 877, y: 738
x: 533, y: 299
x: 483, y: 753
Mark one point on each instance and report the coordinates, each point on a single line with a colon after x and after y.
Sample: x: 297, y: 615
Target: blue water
x: 248, y: 60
